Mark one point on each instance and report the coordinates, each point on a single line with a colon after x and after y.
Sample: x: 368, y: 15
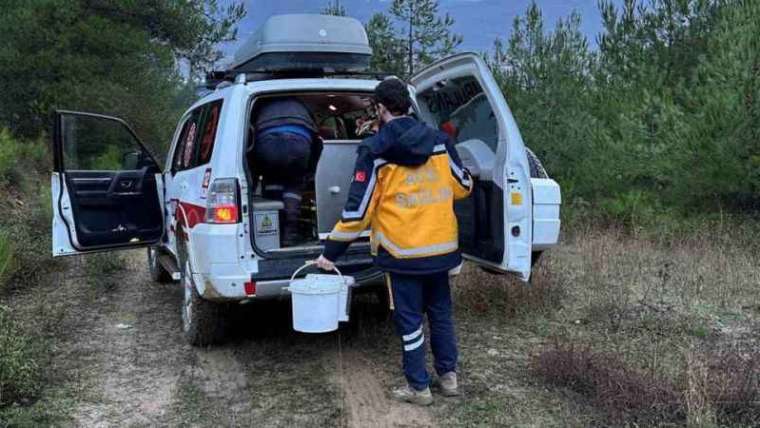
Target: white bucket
x: 319, y: 301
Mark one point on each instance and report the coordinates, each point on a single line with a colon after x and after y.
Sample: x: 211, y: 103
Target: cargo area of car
x: 339, y: 118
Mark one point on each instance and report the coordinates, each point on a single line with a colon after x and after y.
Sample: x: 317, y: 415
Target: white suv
x: 202, y: 214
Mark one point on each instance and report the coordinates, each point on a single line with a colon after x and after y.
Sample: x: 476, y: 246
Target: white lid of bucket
x: 317, y: 284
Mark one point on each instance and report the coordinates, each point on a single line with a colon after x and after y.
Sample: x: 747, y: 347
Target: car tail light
x: 222, y: 205
x: 250, y: 288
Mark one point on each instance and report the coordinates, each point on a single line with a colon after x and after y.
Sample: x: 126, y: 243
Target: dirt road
x: 119, y: 359
x: 131, y: 366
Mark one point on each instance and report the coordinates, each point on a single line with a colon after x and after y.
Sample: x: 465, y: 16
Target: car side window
x: 208, y: 136
x: 184, y: 153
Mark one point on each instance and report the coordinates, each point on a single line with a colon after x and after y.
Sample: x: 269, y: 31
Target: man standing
x: 285, y: 150
x: 405, y: 182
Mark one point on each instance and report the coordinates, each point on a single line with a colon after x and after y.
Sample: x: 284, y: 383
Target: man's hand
x: 324, y: 264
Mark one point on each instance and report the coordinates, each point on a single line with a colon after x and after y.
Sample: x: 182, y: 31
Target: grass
x: 27, y: 332
x: 638, y: 305
x: 101, y: 270
x: 193, y: 405
x: 670, y: 308
x: 19, y: 370
x: 6, y: 257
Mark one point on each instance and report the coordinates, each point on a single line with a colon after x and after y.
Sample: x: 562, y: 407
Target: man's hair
x: 393, y: 94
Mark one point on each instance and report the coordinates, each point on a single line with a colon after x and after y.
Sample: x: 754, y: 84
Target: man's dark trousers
x: 283, y: 159
x: 413, y: 296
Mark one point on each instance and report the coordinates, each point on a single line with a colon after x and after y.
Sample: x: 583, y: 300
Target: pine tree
x: 426, y: 35
x: 387, y: 49
x: 334, y: 8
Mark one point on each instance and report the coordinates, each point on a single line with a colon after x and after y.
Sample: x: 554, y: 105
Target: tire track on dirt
x: 222, y: 377
x: 366, y: 400
x: 134, y: 368
x: 136, y: 355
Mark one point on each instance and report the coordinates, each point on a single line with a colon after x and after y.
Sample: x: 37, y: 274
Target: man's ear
x: 382, y: 112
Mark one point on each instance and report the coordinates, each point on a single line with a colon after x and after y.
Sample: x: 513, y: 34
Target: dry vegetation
x: 627, y: 327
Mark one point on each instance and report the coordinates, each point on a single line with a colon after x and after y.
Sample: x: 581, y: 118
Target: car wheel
x: 202, y: 320
x: 535, y: 257
x: 157, y: 271
x: 536, y: 171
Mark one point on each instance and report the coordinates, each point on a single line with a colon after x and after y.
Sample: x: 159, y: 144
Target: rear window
x: 460, y: 107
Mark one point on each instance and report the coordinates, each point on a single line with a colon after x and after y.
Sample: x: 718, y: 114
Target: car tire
x: 535, y: 257
x: 157, y: 271
x: 202, y: 320
x: 536, y: 171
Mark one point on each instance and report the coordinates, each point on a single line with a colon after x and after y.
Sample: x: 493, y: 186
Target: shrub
x: 25, y: 214
x: 622, y: 393
x: 734, y: 387
x: 662, y: 114
x: 19, y: 370
x: 27, y: 228
x: 19, y: 158
x: 9, y: 155
x: 722, y: 388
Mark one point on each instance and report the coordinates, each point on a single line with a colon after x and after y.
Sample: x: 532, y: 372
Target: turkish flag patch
x: 360, y: 176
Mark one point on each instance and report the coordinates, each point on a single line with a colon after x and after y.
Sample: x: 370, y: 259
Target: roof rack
x: 219, y: 79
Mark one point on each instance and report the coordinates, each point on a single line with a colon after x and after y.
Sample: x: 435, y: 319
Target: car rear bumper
x: 221, y: 270
x: 275, y: 289
x: 226, y: 285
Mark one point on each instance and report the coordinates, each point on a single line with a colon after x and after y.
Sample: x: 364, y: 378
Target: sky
x: 480, y: 22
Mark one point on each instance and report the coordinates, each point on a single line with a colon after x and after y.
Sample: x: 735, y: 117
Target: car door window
x: 460, y: 107
x: 97, y: 144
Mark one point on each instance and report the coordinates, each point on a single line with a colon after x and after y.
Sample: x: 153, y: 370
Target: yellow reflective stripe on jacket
x: 427, y: 251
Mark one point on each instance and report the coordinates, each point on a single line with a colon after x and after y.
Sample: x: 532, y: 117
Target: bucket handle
x: 311, y: 263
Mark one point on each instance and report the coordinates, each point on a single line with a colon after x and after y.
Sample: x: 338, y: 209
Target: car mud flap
x: 168, y: 263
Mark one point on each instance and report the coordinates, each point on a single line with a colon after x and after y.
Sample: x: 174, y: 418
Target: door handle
x: 334, y: 190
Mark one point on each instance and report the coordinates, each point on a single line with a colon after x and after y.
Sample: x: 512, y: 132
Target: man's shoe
x: 448, y: 383
x: 408, y: 394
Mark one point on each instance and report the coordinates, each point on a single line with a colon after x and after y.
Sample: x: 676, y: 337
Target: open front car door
x: 105, y: 186
x: 459, y: 96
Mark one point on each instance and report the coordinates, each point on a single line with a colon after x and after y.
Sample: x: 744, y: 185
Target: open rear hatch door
x: 106, y: 186
x: 460, y: 96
